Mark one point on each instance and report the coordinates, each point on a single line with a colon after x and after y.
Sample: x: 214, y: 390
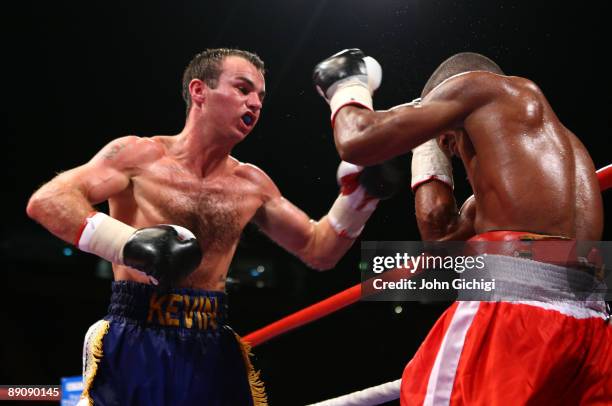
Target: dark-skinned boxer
x: 532, y: 180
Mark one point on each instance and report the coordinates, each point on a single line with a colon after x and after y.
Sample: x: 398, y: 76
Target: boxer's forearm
x: 325, y: 247
x: 315, y: 243
x: 353, y: 136
x: 437, y: 216
x: 62, y: 204
x: 60, y: 208
x: 436, y: 210
x: 366, y: 138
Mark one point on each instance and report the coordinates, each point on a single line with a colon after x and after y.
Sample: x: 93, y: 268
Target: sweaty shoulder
x: 258, y: 178
x: 130, y: 151
x: 475, y: 84
x: 486, y: 89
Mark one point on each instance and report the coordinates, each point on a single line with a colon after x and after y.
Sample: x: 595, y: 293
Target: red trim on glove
x: 349, y: 183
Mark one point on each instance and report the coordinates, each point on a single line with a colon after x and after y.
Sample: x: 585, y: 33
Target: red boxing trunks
x: 536, y: 349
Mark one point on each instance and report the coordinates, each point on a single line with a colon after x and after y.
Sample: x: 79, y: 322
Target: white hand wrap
x: 429, y: 162
x: 356, y: 90
x: 354, y: 206
x: 351, y: 92
x: 105, y: 237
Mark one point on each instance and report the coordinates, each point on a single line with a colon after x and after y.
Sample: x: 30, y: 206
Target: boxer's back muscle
x: 528, y: 171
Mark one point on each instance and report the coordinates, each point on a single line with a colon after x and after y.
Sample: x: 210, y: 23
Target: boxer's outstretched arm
x: 62, y: 204
x: 437, y: 216
x: 316, y: 243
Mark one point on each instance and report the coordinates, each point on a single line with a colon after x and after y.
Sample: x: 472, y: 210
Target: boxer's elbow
x: 349, y: 151
x: 354, y: 149
x: 49, y: 204
x: 321, y: 264
x: 35, y: 207
x: 41, y: 201
x: 319, y: 259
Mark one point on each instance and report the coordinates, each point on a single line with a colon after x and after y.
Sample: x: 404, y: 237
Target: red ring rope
x: 349, y: 296
x: 604, y: 175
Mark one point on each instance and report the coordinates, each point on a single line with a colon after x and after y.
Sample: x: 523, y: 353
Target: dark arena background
x: 80, y: 74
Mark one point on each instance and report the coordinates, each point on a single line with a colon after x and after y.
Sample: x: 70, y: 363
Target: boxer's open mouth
x: 248, y: 119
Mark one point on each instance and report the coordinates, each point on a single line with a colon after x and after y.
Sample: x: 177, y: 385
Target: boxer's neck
x: 201, y: 150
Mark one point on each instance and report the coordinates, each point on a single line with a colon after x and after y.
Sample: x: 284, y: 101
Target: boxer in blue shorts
x: 178, y: 205
x: 179, y: 338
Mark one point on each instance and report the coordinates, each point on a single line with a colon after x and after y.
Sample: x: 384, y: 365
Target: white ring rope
x: 375, y: 395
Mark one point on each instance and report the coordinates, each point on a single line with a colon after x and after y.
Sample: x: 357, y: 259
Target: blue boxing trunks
x: 167, y: 349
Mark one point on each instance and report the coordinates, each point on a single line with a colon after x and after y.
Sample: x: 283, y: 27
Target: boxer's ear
x: 198, y: 91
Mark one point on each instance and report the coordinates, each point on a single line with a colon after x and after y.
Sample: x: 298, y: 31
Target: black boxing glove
x: 347, y: 78
x: 165, y: 252
x: 387, y: 178
x: 162, y: 252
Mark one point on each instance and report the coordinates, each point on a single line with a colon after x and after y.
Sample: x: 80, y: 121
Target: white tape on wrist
x: 429, y: 162
x: 350, y: 93
x: 349, y: 213
x: 105, y: 237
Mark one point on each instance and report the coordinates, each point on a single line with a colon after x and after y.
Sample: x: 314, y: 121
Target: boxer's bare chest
x: 216, y: 209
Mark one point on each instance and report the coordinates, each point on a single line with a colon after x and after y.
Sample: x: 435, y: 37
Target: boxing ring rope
x: 605, y: 177
x: 377, y: 394
x: 372, y: 396
x: 304, y: 316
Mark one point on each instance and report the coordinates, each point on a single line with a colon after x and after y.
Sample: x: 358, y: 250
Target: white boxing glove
x: 354, y: 206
